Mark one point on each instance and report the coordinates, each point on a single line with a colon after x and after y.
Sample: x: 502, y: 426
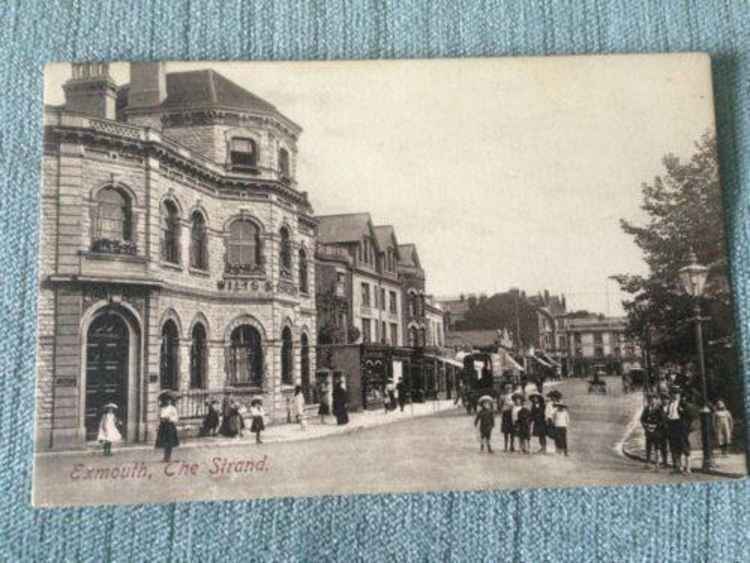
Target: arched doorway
x: 107, y: 369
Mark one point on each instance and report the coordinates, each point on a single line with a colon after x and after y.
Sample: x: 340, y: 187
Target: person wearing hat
x: 108, y: 432
x: 539, y: 421
x: 485, y: 420
x: 166, y: 435
x: 257, y: 414
x: 521, y: 422
x: 505, y: 404
x: 653, y: 422
x: 561, y: 420
x: 723, y: 424
x: 678, y: 428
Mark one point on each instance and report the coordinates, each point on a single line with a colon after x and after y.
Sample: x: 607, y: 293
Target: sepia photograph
x: 290, y: 279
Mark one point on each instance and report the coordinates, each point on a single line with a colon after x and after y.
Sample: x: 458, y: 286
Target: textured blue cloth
x: 677, y: 523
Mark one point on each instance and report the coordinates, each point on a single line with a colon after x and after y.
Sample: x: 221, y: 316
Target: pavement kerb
x: 631, y: 454
x: 231, y: 442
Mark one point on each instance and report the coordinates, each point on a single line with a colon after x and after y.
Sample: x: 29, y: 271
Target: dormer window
x: 284, y: 164
x: 243, y: 153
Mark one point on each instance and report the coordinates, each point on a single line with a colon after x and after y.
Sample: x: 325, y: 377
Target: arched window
x: 287, y: 357
x: 413, y: 337
x: 304, y: 364
x: 245, y: 357
x: 284, y: 163
x: 199, y: 242
x: 243, y: 254
x: 170, y: 342
x: 303, y: 270
x: 285, y: 252
x: 170, y: 232
x: 112, y: 218
x: 422, y: 341
x: 243, y: 153
x: 198, y: 357
x: 412, y: 305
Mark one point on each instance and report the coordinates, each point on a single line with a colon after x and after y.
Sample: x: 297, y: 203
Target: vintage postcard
x: 323, y: 278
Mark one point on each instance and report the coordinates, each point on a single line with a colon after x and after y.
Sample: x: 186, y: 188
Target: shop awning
x: 449, y: 361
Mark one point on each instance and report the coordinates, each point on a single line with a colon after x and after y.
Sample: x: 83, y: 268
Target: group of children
x: 227, y: 420
x: 545, y: 419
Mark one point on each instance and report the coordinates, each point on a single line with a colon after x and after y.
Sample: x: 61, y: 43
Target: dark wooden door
x: 106, y: 369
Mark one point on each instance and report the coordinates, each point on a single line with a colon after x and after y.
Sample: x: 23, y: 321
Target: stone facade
x: 84, y: 276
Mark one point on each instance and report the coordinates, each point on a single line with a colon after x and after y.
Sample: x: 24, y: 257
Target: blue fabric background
x: 677, y: 523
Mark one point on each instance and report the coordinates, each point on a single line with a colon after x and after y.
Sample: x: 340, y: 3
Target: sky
x: 505, y: 172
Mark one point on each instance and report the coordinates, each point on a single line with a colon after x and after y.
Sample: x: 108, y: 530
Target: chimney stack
x: 147, y: 91
x: 91, y: 90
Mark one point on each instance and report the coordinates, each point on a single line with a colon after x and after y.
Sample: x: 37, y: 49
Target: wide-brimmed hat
x: 555, y: 393
x: 518, y: 396
x: 535, y: 397
x: 485, y: 398
x: 256, y: 401
x: 169, y: 395
x: 110, y: 406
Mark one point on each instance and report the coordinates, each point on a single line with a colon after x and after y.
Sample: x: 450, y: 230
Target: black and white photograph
x: 292, y: 279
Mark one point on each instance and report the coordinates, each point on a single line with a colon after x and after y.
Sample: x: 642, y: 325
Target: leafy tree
x: 685, y: 213
x: 500, y: 312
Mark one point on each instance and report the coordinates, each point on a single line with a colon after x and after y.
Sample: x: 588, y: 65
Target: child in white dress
x: 108, y: 432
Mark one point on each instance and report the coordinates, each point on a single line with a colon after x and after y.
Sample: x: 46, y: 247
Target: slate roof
x: 201, y: 88
x: 349, y: 227
x: 385, y: 234
x: 208, y: 87
x: 408, y: 255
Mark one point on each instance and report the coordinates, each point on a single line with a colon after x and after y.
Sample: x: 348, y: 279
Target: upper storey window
x: 113, y: 222
x: 199, y: 240
x: 243, y: 153
x: 284, y: 164
x: 244, y: 253
x: 285, y: 252
x: 170, y: 233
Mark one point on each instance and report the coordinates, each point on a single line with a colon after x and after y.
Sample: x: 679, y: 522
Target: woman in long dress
x: 339, y: 404
x: 166, y: 435
x: 324, y: 408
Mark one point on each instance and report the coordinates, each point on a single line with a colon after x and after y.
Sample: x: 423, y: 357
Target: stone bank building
x: 177, y: 252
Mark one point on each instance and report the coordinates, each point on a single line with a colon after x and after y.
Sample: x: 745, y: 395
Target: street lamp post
x: 693, y: 278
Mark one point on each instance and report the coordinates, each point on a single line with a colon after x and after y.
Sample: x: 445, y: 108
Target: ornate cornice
x: 145, y: 143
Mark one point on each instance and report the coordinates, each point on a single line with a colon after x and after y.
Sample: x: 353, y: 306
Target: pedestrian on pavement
x: 561, y: 421
x: 299, y: 407
x: 485, y: 419
x: 340, y: 400
x: 108, y: 432
x: 166, y: 435
x: 402, y: 394
x: 521, y: 421
x: 724, y: 425
x: 678, y: 428
x: 553, y: 397
x: 506, y: 417
x: 324, y: 407
x: 233, y: 422
x: 210, y: 424
x: 539, y: 421
x: 654, y: 425
x: 390, y: 397
x: 257, y: 414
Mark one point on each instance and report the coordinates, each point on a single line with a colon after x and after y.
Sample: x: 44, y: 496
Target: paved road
x: 429, y: 453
